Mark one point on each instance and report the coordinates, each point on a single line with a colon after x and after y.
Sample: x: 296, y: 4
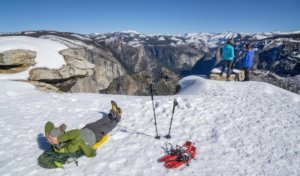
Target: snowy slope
x: 47, y: 53
x: 239, y: 128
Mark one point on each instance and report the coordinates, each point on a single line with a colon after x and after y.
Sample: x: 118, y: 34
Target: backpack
x: 51, y: 159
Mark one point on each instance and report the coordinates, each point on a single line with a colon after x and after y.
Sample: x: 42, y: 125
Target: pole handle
x: 175, y: 103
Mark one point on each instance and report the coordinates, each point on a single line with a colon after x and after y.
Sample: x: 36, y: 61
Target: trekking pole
x: 151, y: 92
x: 175, y: 103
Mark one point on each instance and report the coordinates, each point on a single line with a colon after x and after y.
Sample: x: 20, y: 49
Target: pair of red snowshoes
x: 179, y: 156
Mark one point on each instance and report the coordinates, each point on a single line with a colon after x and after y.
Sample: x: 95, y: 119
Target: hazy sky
x: 150, y: 16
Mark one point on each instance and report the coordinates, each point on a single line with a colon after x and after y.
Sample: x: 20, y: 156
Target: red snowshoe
x: 184, y: 158
x: 174, y: 153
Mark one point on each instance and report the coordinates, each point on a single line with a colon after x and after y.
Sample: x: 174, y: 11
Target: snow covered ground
x: 239, y: 128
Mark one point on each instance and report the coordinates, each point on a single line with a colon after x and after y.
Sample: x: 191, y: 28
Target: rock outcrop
x: 65, y: 77
x: 45, y: 87
x: 86, y: 71
x: 14, y: 61
x: 236, y: 75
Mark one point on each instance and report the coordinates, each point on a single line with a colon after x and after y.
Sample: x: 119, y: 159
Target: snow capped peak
x: 229, y: 35
x: 130, y: 32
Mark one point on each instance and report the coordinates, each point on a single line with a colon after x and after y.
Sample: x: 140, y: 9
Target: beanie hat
x: 55, y: 131
x: 48, y: 127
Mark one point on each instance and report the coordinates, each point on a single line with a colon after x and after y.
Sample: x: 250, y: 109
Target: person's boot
x: 114, y: 106
x: 247, y: 77
x: 115, y: 110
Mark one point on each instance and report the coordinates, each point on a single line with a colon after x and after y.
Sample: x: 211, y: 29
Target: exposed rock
x: 153, y: 56
x: 138, y: 84
x: 167, y: 83
x: 291, y: 83
x: 44, y: 87
x: 54, y: 75
x: 283, y: 60
x: 65, y: 77
x: 106, y: 69
x: 236, y: 75
x: 87, y: 84
x: 123, y: 85
x: 76, y: 67
x: 86, y: 71
x: 74, y: 59
x: 79, y: 74
x: 14, y: 61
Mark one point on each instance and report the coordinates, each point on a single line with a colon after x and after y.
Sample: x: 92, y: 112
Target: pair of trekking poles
x: 175, y: 103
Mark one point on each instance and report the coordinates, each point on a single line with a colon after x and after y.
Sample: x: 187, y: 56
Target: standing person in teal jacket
x: 228, y: 56
x: 248, y: 62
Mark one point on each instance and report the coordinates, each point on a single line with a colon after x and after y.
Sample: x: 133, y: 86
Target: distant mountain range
x: 195, y: 53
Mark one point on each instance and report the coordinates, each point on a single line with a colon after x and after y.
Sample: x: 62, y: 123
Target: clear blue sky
x: 150, y: 16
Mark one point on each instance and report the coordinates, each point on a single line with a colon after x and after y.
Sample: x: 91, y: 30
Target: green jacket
x: 73, y: 143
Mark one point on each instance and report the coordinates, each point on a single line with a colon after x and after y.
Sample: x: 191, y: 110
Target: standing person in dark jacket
x: 228, y: 56
x: 248, y: 62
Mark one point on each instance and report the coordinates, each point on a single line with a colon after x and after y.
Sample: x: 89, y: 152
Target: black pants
x: 247, y: 74
x: 227, y: 63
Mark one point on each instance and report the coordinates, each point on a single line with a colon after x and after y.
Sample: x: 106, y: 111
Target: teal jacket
x: 228, y: 52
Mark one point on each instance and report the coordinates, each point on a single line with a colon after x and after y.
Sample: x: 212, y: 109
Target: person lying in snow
x: 72, y: 144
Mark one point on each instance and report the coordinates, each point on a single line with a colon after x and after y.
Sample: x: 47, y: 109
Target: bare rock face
x: 167, y: 82
x: 76, y: 67
x: 290, y: 83
x: 86, y: 71
x: 64, y: 73
x: 87, y: 84
x: 124, y: 85
x: 236, y: 75
x: 130, y: 85
x: 138, y: 84
x: 14, y: 61
x: 151, y: 55
x: 106, y: 69
x: 65, y: 77
x: 44, y: 87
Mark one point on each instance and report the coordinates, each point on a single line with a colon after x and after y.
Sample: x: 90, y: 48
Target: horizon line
x: 136, y: 32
